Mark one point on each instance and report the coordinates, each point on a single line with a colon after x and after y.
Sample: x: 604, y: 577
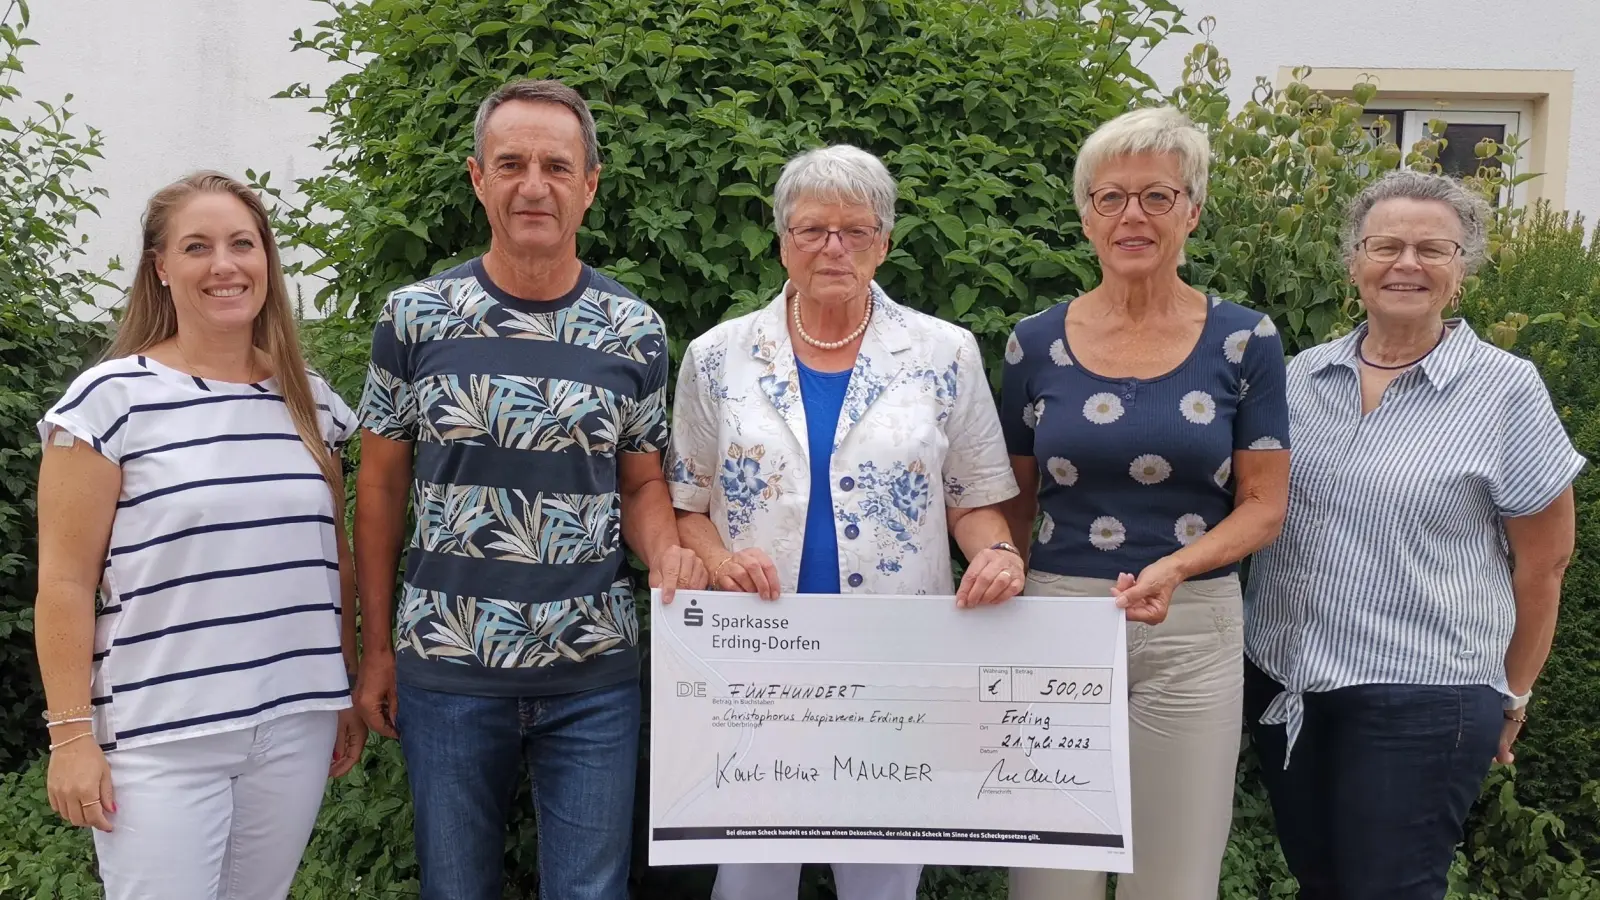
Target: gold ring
x: 1005, y: 573
x: 89, y: 804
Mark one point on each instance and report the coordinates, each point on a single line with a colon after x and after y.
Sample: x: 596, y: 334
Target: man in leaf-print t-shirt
x: 517, y: 402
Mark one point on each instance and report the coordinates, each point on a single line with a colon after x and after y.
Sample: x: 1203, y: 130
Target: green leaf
x: 952, y: 228
x: 756, y: 239
x: 488, y: 28
x: 658, y: 43
x: 1001, y: 274
x: 962, y: 296
x: 904, y: 225
x: 1297, y: 318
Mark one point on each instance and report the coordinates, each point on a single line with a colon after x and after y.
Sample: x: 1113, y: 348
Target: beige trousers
x: 781, y: 881
x: 1185, y: 697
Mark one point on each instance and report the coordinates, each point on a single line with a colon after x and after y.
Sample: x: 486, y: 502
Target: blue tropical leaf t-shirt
x: 1134, y: 469
x: 515, y: 580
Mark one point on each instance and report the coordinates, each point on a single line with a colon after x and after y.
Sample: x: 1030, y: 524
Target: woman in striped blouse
x: 1394, y: 630
x: 192, y: 481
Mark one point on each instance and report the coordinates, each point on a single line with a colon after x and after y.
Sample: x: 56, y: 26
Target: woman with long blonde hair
x: 196, y: 596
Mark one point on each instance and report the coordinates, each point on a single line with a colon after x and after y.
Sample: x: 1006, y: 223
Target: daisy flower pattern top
x: 1132, y: 469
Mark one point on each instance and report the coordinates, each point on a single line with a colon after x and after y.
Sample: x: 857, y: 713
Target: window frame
x: 1512, y: 120
x: 1542, y: 98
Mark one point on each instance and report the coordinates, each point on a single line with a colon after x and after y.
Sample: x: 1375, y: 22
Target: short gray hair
x: 540, y: 91
x: 1408, y: 184
x: 838, y: 172
x: 1161, y: 129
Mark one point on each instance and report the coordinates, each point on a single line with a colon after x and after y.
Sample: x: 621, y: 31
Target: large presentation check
x: 882, y: 729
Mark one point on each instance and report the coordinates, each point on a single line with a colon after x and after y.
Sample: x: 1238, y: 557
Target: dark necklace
x: 1359, y: 355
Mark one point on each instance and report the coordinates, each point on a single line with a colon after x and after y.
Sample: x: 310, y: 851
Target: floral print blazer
x: 918, y: 432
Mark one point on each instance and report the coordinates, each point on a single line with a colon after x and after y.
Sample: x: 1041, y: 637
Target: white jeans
x: 220, y: 817
x: 1185, y: 719
x: 781, y: 881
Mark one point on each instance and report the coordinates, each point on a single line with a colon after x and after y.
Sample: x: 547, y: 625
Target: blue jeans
x: 463, y: 759
x: 1381, y: 779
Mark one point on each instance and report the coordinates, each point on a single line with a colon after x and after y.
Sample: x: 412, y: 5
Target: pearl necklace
x: 830, y: 345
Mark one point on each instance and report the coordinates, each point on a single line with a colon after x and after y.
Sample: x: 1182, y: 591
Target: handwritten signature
x: 1030, y: 777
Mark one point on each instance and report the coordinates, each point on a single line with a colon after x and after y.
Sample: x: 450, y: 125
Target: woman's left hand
x: 1508, y: 736
x: 348, y: 742
x: 993, y: 576
x: 1148, y: 597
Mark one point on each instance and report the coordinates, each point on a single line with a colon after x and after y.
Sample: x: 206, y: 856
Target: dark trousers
x: 1380, y: 781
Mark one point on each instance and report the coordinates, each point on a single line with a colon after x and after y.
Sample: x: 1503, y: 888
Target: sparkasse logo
x: 693, y: 615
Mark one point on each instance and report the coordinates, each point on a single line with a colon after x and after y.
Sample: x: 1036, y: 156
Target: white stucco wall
x: 177, y: 85
x: 1259, y: 36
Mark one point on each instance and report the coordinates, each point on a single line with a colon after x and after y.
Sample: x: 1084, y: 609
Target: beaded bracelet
x: 54, y: 747
x: 75, y: 711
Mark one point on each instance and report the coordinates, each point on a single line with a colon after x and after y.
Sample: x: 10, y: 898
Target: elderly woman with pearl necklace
x: 834, y: 441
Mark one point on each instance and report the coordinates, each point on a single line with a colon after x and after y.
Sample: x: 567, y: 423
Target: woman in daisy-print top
x: 1148, y: 429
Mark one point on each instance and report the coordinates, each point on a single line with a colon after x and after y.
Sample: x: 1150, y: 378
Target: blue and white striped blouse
x: 1392, y: 567
x: 219, y: 604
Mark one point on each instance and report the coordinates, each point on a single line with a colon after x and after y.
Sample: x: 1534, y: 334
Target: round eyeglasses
x: 1382, y: 248
x: 855, y: 238
x: 1155, y: 201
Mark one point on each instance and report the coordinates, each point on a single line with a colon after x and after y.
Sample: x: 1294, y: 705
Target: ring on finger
x: 89, y: 804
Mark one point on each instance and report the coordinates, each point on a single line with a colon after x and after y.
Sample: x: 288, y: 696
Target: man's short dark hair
x: 538, y: 91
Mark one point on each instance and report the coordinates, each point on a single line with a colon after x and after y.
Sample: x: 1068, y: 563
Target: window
x: 1534, y: 105
x: 1375, y: 120
x: 1464, y: 129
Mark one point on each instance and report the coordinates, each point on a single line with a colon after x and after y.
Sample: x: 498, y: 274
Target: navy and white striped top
x: 1392, y: 565
x: 219, y: 603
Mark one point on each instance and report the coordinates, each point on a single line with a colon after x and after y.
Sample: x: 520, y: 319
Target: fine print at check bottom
x: 889, y: 729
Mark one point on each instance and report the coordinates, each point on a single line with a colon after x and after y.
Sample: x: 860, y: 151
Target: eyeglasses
x: 1431, y: 252
x: 814, y: 237
x: 1155, y: 201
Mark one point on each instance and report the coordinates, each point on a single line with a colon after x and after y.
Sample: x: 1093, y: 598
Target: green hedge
x: 42, y: 347
x: 976, y: 107
x: 1539, y: 301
